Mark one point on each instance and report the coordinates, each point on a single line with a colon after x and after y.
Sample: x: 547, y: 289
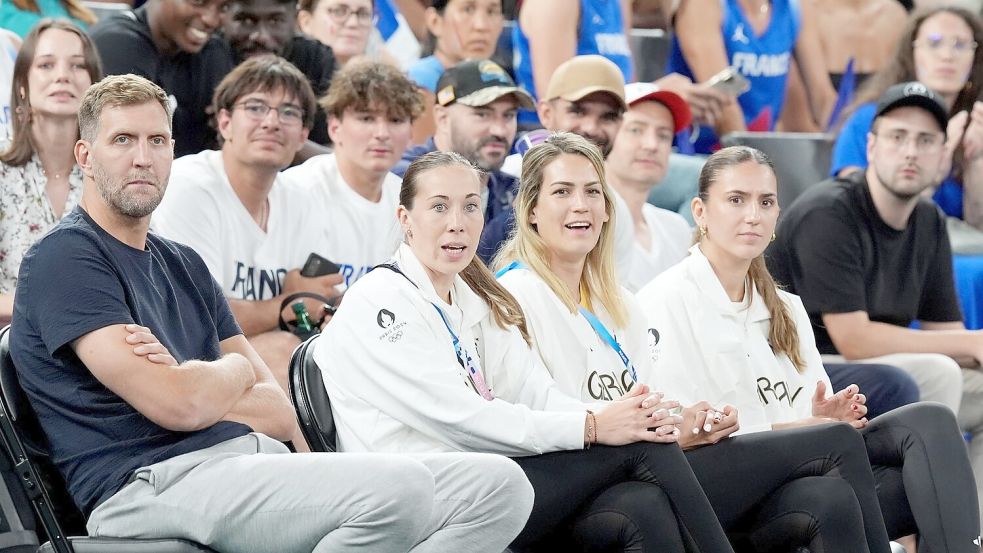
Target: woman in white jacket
x: 429, y: 353
x: 727, y: 333
x: 593, y: 339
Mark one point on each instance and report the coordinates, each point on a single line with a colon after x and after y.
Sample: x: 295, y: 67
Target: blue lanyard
x: 465, y: 360
x: 595, y: 323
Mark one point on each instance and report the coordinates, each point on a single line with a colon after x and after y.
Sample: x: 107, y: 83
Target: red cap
x: 640, y: 92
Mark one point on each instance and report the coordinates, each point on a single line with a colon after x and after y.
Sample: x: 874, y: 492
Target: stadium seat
x: 311, y: 399
x: 25, y: 448
x: 801, y: 159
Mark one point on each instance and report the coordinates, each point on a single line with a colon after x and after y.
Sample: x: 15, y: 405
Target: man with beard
x: 475, y: 114
x: 257, y: 27
x: 869, y: 255
x: 161, y: 417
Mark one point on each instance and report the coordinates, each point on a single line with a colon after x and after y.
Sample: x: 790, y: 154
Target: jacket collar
x: 713, y: 291
x: 472, y: 306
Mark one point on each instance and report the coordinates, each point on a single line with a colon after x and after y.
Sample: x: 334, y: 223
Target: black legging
x: 648, y: 488
x: 924, y: 478
x: 809, y: 487
x: 773, y: 491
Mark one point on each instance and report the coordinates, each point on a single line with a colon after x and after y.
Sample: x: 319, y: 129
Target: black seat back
x: 26, y: 447
x: 311, y: 399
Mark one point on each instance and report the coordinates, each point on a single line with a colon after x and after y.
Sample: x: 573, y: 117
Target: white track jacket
x: 395, y: 384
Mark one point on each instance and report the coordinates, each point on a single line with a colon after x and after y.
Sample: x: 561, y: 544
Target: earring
x: 969, y: 85
x: 773, y: 236
x: 703, y: 232
x: 23, y: 95
x: 409, y: 233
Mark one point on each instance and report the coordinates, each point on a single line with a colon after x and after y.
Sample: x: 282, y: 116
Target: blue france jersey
x: 764, y: 59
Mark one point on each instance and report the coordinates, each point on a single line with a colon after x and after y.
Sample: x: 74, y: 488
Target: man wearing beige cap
x: 475, y: 114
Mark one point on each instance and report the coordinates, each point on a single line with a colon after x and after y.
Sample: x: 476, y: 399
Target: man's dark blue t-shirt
x: 78, y: 279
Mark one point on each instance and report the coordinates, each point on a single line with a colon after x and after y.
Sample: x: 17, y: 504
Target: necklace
x: 55, y: 176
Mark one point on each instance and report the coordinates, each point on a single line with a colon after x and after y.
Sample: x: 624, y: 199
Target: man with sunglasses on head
x: 231, y: 208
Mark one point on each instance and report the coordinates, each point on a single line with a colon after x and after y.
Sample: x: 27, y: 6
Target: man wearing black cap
x: 869, y: 254
x: 475, y: 114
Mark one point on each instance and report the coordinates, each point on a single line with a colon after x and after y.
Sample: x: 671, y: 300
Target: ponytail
x: 504, y: 306
x: 782, y: 336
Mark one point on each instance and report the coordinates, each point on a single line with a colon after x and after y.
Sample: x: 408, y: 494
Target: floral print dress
x: 26, y: 214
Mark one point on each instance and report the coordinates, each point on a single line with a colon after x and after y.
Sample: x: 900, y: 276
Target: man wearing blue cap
x: 869, y: 254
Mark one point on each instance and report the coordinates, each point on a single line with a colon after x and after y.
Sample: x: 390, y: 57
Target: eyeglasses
x: 924, y: 143
x: 341, y: 12
x: 958, y: 46
x: 286, y: 113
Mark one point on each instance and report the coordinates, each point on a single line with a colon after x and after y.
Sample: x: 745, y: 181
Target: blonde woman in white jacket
x: 727, y: 333
x: 593, y: 339
x: 429, y: 353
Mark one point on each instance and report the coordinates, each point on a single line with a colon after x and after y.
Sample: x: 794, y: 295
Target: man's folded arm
x: 264, y: 407
x: 187, y: 397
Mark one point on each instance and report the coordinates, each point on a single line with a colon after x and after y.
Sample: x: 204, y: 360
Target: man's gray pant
x: 251, y: 495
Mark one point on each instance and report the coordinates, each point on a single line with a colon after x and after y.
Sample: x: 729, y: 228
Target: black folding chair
x: 311, y: 399
x: 26, y: 448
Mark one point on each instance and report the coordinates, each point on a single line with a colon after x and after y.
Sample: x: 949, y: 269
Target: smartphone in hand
x: 730, y: 81
x: 316, y: 266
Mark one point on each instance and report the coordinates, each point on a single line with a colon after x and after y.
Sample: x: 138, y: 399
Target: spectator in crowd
x: 868, y: 255
x: 20, y: 16
x: 558, y: 264
x: 940, y: 48
x: 551, y: 32
x: 344, y: 26
x: 161, y: 417
x: 231, y: 207
x: 759, y: 40
x: 637, y: 163
x: 429, y: 353
x: 170, y: 42
x: 370, y: 107
x: 401, y: 27
x: 476, y: 110
x: 460, y: 30
x: 257, y: 27
x: 586, y: 96
x: 39, y: 179
x: 866, y: 33
x: 727, y: 333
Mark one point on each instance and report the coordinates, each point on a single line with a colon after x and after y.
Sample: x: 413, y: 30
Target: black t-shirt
x: 78, y: 279
x: 317, y: 62
x: 834, y: 250
x: 125, y: 46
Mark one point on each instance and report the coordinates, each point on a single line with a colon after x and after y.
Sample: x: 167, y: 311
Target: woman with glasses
x: 344, y: 25
x: 39, y: 179
x: 940, y: 48
x: 727, y: 332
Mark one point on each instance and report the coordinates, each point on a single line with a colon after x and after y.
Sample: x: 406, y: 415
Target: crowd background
x: 655, y: 85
